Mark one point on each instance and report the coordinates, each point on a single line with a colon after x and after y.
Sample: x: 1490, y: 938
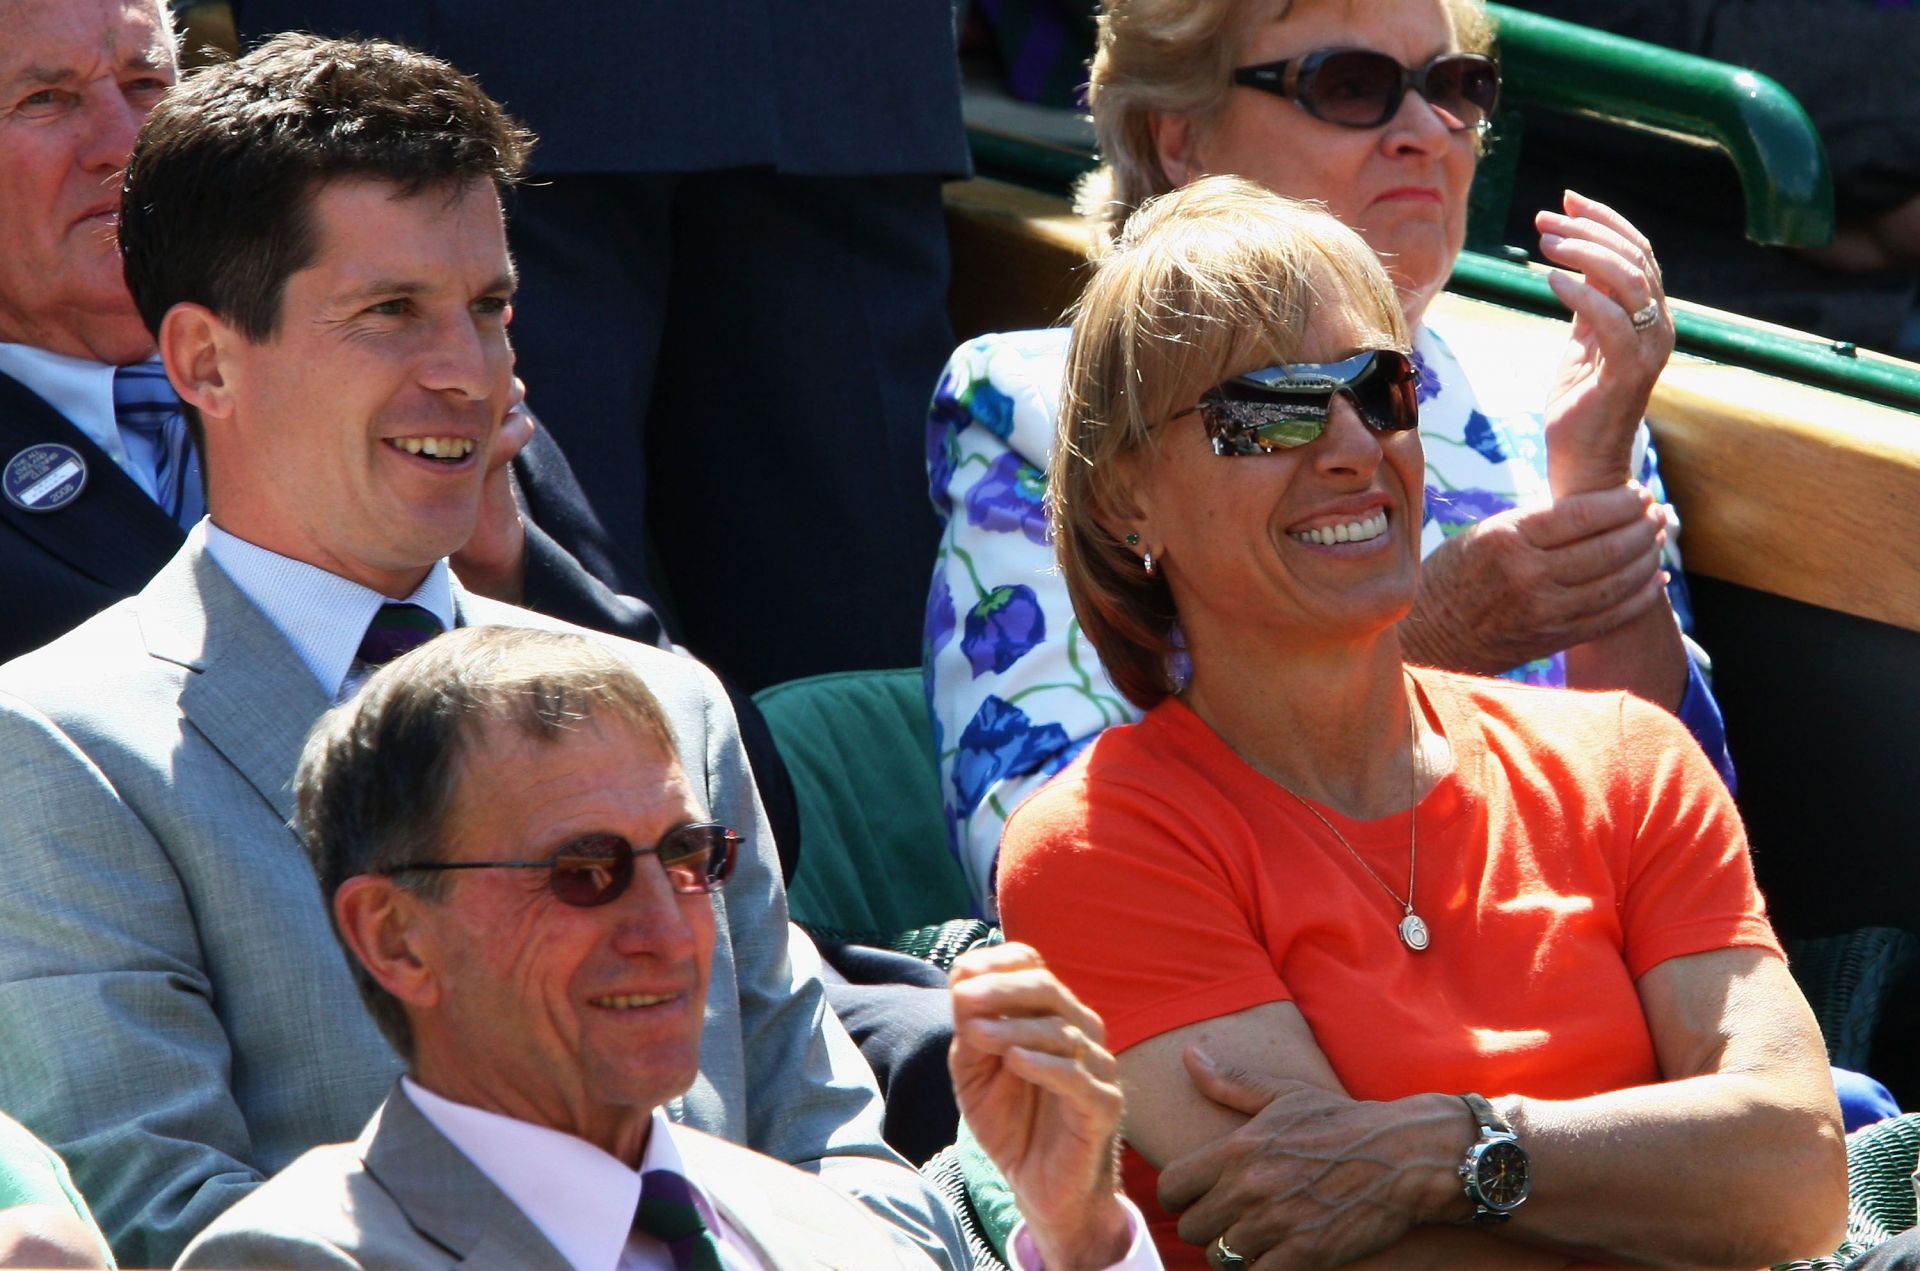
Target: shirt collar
x: 580, y: 1198
x: 81, y: 389
x: 322, y: 615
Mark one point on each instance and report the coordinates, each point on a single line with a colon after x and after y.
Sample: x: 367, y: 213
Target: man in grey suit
x: 313, y: 236
x: 521, y: 873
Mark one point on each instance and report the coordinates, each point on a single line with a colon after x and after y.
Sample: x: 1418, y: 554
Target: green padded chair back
x: 1846, y: 979
x: 874, y: 859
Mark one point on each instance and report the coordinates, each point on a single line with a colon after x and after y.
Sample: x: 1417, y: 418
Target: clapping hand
x: 1529, y: 582
x: 1621, y: 339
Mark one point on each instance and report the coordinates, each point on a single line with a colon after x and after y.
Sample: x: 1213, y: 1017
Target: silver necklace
x: 1413, y: 928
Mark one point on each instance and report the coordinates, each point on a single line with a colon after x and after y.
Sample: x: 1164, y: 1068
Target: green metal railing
x: 1784, y: 179
x: 1782, y: 166
x: 1807, y: 359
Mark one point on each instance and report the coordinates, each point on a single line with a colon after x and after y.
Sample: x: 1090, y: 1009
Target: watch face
x: 1502, y: 1175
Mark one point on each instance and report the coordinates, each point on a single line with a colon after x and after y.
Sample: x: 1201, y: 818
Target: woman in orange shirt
x: 1404, y: 967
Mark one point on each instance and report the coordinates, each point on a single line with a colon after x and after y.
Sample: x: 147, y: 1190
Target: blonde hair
x: 1177, y: 57
x: 1207, y: 282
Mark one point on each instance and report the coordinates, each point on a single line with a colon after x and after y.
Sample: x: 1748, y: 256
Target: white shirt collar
x: 79, y: 388
x: 580, y: 1198
x: 323, y: 615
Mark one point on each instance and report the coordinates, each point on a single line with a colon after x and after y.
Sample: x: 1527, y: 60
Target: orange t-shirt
x: 1580, y: 840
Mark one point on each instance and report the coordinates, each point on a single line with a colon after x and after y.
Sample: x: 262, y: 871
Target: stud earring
x: 1133, y: 540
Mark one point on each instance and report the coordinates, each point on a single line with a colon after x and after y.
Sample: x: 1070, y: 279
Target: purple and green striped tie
x: 667, y: 1212
x: 398, y: 628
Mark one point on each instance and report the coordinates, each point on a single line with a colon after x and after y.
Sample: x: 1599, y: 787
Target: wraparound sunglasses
x: 1281, y: 407
x: 1363, y: 88
x: 597, y: 869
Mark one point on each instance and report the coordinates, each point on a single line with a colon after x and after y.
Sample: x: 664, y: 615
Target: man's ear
x: 1176, y: 144
x: 196, y: 344
x: 380, y: 922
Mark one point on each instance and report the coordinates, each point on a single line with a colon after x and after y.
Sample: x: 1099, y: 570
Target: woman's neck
x: 1329, y: 722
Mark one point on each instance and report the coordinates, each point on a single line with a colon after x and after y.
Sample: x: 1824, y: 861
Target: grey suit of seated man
x: 523, y: 874
x: 313, y: 236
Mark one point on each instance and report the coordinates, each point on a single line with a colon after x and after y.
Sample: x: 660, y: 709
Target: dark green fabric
x: 1846, y: 979
x: 874, y: 855
x: 987, y: 1191
x: 948, y: 1175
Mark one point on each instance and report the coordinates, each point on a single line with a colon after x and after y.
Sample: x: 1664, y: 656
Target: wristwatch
x: 1496, y: 1172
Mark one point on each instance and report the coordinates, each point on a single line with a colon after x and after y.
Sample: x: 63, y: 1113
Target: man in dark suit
x: 733, y: 290
x: 93, y: 504
x: 531, y: 923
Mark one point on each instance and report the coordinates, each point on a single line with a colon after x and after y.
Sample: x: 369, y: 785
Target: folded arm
x: 1735, y: 1160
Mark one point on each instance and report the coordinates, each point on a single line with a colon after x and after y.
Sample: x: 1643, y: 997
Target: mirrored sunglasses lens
x: 1358, y: 88
x: 1280, y: 423
x: 592, y: 871
x: 1386, y: 394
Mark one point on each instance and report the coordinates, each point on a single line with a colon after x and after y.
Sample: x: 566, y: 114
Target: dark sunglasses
x: 597, y: 869
x: 1281, y: 407
x: 1362, y: 88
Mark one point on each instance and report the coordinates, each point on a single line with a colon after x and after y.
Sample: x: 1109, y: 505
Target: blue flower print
x: 944, y: 423
x: 998, y: 742
x: 940, y: 615
x: 1426, y: 381
x: 1010, y: 497
x: 1457, y: 509
x: 993, y: 408
x: 1003, y: 628
x: 1485, y: 438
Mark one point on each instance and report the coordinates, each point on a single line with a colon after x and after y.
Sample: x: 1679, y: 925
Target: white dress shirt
x: 81, y: 389
x: 580, y: 1198
x: 323, y: 615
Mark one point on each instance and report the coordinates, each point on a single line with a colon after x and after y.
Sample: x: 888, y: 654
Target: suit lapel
x: 248, y: 693
x: 446, y: 1197
x: 112, y: 533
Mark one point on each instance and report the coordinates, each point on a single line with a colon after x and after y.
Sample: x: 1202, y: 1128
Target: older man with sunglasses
x: 176, y: 1019
x: 525, y: 880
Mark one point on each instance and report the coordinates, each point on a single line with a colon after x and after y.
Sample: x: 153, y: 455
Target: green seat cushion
x: 873, y: 841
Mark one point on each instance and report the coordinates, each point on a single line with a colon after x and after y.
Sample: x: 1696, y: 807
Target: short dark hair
x: 380, y: 775
x: 216, y: 206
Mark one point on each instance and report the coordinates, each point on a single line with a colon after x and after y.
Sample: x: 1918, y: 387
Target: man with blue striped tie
x: 99, y: 480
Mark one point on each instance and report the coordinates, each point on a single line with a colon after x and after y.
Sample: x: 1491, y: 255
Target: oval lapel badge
x: 44, y: 478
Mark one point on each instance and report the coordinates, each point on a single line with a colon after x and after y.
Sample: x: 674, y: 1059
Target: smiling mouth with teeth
x: 1361, y: 531
x: 629, y: 1001
x: 443, y: 449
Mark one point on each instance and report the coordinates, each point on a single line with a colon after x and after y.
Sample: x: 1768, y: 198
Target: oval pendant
x: 1413, y: 933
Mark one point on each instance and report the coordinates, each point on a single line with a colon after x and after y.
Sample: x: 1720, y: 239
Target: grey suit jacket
x: 176, y: 1018
x: 404, y: 1197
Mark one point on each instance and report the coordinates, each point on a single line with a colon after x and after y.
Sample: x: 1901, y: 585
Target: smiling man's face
x: 355, y: 437
x: 76, y: 79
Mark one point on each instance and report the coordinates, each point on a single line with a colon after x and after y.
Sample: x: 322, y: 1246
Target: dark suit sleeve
x: 575, y: 572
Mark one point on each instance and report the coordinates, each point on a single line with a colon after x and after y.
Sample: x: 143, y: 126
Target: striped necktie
x: 667, y: 1213
x: 145, y: 405
x: 397, y: 628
